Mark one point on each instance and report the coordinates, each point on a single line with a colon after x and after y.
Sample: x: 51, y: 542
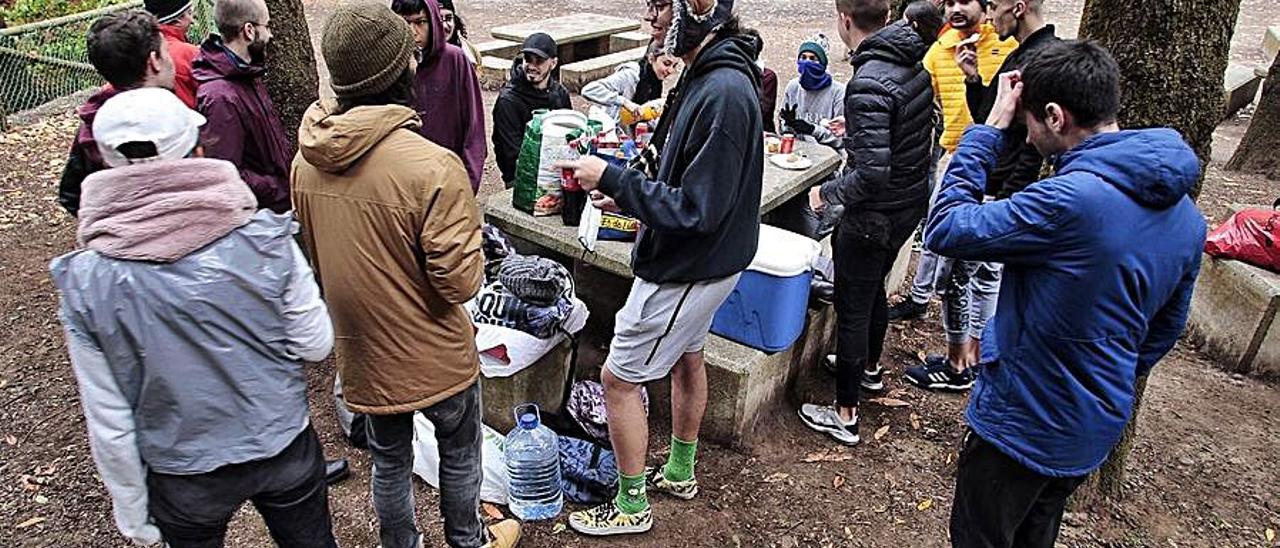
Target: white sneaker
x: 825, y: 418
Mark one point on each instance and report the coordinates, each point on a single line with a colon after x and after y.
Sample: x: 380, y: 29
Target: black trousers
x: 1002, y: 504
x: 288, y: 490
x: 865, y: 246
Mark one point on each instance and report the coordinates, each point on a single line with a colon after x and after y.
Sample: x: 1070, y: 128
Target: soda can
x: 788, y: 144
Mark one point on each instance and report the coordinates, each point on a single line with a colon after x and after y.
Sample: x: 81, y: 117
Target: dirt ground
x: 1202, y: 471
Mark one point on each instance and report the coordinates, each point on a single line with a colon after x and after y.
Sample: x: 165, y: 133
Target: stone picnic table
x: 579, y: 35
x: 744, y: 384
x: 779, y: 185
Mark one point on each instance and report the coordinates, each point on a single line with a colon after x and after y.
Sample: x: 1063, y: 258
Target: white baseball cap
x: 148, y: 115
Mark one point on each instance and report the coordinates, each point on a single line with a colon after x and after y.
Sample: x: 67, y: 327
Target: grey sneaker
x: 825, y: 419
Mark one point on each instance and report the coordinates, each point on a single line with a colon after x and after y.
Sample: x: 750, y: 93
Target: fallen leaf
x: 925, y: 505
x: 881, y: 432
x: 827, y: 457
x: 777, y: 477
x: 559, y: 528
x: 30, y: 522
x: 1271, y: 535
x: 46, y: 470
x: 41, y: 499
x: 890, y: 402
x: 838, y: 482
x: 10, y: 439
x: 923, y: 357
x: 492, y: 511
x: 915, y: 421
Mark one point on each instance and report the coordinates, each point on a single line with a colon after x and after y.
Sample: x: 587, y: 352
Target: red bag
x: 1248, y: 236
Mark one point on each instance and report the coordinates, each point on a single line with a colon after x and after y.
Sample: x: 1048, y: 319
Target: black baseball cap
x: 540, y: 44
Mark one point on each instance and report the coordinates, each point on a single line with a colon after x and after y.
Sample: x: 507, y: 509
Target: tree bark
x: 291, y: 79
x: 1172, y: 57
x: 1259, y: 151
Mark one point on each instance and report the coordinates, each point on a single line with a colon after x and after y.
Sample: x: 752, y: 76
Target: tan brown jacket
x: 393, y: 232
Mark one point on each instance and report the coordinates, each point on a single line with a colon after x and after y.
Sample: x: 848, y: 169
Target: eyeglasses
x: 653, y: 8
x: 261, y: 25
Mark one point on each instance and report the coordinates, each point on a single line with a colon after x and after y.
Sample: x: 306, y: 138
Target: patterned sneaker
x: 683, y: 490
x: 937, y: 374
x: 607, y: 520
x: 825, y: 419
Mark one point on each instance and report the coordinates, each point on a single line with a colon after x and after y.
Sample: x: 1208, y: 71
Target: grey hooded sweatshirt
x: 188, y: 317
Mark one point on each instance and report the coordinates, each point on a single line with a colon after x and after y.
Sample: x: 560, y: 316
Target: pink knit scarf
x: 162, y: 211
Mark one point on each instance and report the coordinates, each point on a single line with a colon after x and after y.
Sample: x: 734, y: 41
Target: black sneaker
x: 907, y: 310
x: 873, y: 381
x: 937, y: 374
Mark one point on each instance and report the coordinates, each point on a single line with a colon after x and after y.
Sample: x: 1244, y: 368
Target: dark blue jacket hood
x: 1155, y: 167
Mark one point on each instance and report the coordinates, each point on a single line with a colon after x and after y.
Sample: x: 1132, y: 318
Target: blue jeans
x: 458, y: 433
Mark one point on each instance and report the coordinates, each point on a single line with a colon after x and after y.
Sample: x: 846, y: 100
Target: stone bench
x: 541, y: 383
x: 502, y: 49
x: 1233, y: 313
x: 494, y: 71
x: 578, y: 74
x: 1241, y: 86
x: 629, y: 40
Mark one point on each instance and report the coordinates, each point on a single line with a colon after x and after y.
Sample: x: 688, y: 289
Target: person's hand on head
x: 588, y: 170
x: 1008, y: 100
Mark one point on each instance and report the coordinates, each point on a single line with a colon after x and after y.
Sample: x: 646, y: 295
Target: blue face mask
x: 813, y: 76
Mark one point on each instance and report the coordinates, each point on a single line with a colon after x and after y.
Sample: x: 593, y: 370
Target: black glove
x: 788, y: 115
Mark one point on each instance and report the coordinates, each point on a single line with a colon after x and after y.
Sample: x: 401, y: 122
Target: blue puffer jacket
x: 1100, y: 264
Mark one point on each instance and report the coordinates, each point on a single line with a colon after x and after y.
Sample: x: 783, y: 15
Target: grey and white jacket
x: 815, y: 106
x: 614, y: 90
x: 188, y: 318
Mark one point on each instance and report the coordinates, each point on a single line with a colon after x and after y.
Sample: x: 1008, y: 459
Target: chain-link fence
x: 46, y: 60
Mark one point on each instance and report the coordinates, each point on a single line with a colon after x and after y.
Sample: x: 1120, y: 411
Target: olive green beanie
x: 367, y: 47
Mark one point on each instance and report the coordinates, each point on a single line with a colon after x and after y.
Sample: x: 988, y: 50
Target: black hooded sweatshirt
x: 512, y: 112
x: 701, y: 215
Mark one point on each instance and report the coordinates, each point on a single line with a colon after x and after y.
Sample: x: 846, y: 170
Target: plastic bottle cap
x: 528, y: 421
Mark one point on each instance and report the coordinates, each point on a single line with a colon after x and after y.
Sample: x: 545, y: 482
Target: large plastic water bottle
x: 533, y: 467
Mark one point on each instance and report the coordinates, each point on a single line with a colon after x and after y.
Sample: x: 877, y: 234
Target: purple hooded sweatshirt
x: 243, y: 126
x: 447, y: 98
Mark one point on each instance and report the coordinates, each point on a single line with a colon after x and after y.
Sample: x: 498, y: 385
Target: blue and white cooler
x: 767, y: 309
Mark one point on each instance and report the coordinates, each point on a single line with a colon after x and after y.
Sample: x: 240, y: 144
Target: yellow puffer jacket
x: 948, y: 79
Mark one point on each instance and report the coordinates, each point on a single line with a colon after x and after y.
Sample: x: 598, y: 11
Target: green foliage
x: 21, y: 12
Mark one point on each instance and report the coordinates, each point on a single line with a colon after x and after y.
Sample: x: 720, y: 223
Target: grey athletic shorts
x: 661, y: 322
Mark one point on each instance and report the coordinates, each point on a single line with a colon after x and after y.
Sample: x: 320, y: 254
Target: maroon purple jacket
x: 84, y: 158
x: 243, y: 127
x: 447, y: 98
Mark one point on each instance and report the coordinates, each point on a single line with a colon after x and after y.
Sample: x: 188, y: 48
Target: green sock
x: 631, y: 497
x: 680, y: 464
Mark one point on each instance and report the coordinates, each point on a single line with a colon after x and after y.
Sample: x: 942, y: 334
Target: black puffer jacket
x: 889, y: 124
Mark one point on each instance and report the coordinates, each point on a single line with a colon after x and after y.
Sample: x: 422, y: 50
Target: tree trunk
x: 291, y: 78
x: 1259, y: 151
x: 1172, y: 57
